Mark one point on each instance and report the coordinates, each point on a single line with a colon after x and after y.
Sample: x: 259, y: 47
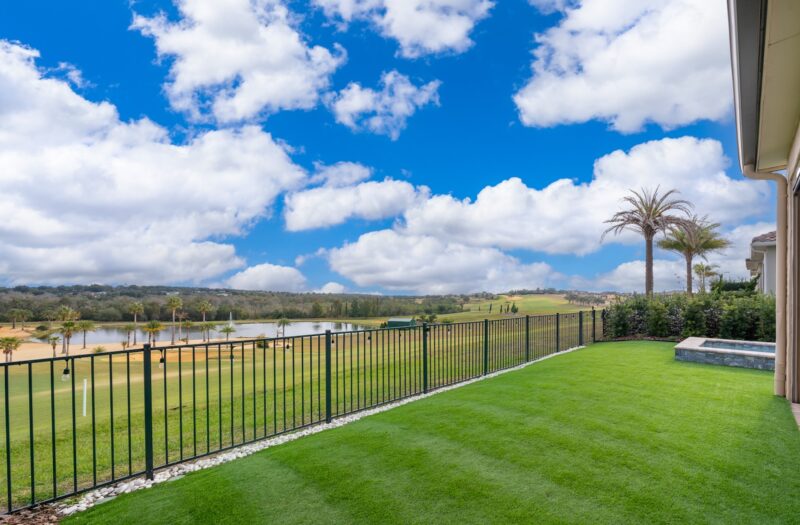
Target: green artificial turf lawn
x: 615, y: 433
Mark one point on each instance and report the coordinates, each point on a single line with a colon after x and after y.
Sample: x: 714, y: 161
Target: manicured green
x: 534, y: 304
x: 616, y: 433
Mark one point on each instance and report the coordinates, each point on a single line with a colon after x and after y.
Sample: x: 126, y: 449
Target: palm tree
x: 186, y: 325
x: 705, y: 272
x: 174, y: 303
x: 129, y: 329
x: 54, y: 340
x: 205, y: 329
x: 153, y: 328
x: 694, y: 238
x: 227, y: 330
x: 136, y: 309
x: 50, y: 315
x: 649, y: 213
x: 19, y: 314
x: 204, y: 307
x: 85, y: 326
x: 67, y: 316
x: 183, y: 318
x: 283, y: 322
x: 67, y: 330
x: 9, y: 344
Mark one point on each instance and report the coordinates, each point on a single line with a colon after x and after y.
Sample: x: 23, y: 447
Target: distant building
x: 400, y: 322
x: 762, y: 261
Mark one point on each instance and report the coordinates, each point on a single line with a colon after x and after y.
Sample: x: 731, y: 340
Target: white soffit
x: 780, y: 88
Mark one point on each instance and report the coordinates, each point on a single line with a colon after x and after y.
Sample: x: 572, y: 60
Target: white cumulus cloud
x: 332, y: 287
x: 383, y: 112
x: 429, y: 265
x: 630, y: 62
x: 341, y: 174
x: 568, y: 217
x: 268, y: 277
x: 421, y: 27
x: 327, y: 206
x: 242, y: 58
x: 86, y: 197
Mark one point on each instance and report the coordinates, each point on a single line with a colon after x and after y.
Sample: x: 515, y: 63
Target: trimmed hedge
x: 727, y: 315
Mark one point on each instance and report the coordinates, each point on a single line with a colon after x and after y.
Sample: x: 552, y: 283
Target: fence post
x: 148, y: 412
x: 603, y: 323
x: 328, y: 413
x: 485, y: 346
x: 580, y: 328
x: 425, y: 357
x: 558, y: 332
x: 594, y: 325
x: 527, y: 338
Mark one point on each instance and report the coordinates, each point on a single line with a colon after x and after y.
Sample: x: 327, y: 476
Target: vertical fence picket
x: 328, y: 415
x: 148, y: 412
x: 425, y: 357
x: 558, y: 332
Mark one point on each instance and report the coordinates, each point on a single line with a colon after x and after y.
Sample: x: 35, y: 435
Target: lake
x: 105, y: 335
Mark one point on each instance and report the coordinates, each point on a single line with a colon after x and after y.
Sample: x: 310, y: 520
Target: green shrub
x: 657, y: 321
x: 720, y: 286
x: 618, y: 320
x: 751, y: 318
x: 731, y: 315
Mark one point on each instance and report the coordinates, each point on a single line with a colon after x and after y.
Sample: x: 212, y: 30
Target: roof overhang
x: 765, y: 55
x: 763, y: 244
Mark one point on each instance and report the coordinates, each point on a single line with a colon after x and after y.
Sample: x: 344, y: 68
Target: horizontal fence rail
x: 74, y: 423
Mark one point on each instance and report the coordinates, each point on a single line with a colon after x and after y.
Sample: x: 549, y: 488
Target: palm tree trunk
x: 84, y: 339
x: 648, y: 266
x: 689, y: 274
x: 135, y: 328
x: 173, y: 327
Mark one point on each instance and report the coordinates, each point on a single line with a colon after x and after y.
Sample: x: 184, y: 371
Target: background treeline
x: 585, y: 298
x: 536, y: 291
x: 112, y: 303
x: 728, y: 314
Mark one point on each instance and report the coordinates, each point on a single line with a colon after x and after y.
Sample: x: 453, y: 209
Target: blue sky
x: 459, y: 130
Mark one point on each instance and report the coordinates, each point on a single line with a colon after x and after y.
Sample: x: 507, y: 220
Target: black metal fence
x: 74, y: 423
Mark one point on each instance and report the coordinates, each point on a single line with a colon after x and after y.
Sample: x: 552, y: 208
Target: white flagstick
x: 84, y: 398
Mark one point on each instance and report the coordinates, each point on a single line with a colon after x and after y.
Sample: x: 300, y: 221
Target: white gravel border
x: 97, y: 496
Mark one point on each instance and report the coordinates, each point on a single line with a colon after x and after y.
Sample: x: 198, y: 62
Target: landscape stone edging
x: 101, y: 495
